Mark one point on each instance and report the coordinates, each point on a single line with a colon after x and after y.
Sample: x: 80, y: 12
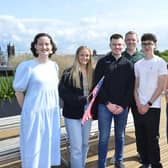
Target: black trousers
x: 147, y: 136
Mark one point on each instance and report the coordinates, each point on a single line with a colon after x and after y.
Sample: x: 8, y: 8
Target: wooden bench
x: 9, y: 142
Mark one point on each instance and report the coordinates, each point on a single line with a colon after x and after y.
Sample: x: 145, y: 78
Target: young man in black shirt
x: 114, y: 98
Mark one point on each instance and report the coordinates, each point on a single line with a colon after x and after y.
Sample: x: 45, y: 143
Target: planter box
x: 9, y: 108
x: 9, y: 71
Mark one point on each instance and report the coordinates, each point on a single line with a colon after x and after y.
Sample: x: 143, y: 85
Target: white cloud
x: 91, y: 31
x: 16, y: 38
x: 88, y: 21
x: 10, y: 24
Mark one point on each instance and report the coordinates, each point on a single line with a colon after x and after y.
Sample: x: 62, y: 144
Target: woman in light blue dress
x: 36, y: 86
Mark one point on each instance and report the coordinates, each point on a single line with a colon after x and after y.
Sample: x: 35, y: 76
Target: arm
x: 136, y: 91
x: 68, y: 93
x: 21, y: 81
x: 159, y: 89
x: 142, y: 109
x: 136, y: 96
x: 157, y: 92
x: 166, y: 89
x: 99, y: 72
x: 20, y: 98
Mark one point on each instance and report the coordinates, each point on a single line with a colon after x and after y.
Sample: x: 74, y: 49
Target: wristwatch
x: 149, y: 103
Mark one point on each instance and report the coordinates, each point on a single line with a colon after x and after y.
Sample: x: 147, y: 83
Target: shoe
x: 145, y: 166
x: 158, y: 165
x: 112, y: 160
x: 139, y: 158
x: 119, y: 165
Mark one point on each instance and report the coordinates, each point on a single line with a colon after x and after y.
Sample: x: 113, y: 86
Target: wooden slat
x: 130, y: 159
x: 9, y: 142
x: 9, y: 127
x: 130, y: 154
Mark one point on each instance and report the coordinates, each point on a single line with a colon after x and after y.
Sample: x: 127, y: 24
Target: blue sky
x: 81, y: 22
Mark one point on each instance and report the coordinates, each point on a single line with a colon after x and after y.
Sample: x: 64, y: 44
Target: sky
x: 72, y: 23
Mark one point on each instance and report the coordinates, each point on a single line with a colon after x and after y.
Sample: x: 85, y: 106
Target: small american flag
x: 87, y: 115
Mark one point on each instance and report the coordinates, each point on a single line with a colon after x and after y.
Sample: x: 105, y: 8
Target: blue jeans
x: 104, y: 124
x: 78, y: 135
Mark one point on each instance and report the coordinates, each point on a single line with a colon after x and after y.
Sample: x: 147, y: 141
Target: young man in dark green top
x: 132, y: 54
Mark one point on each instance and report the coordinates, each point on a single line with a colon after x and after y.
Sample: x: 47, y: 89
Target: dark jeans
x: 147, y: 134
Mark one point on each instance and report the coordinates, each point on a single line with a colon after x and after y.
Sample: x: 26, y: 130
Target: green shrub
x: 165, y: 57
x: 6, y: 90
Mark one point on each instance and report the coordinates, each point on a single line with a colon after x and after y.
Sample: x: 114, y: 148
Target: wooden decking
x: 130, y: 155
x: 130, y: 159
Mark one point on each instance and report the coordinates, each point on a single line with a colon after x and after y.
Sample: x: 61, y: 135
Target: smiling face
x: 43, y: 46
x: 84, y: 56
x: 117, y: 46
x: 131, y: 41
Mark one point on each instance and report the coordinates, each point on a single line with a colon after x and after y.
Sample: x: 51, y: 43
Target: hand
x: 87, y: 115
x: 111, y: 107
x: 114, y: 108
x: 119, y: 109
x: 142, y: 109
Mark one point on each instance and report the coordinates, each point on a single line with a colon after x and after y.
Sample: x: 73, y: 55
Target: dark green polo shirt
x: 133, y: 58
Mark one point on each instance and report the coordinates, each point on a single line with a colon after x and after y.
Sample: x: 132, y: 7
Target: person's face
x: 43, y: 46
x: 117, y: 46
x: 131, y: 41
x: 148, y: 47
x: 84, y: 56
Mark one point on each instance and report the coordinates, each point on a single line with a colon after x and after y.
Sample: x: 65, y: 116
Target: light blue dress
x: 40, y: 117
